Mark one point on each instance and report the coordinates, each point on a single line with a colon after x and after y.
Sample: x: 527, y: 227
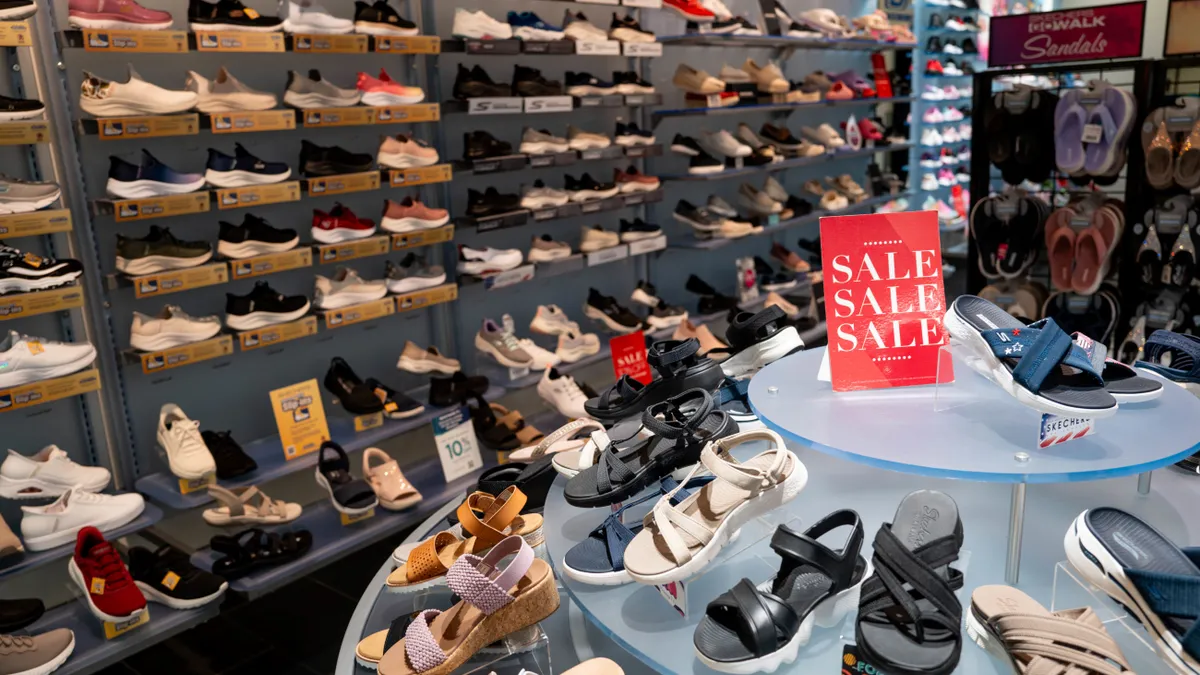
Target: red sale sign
x: 1087, y: 34
x: 629, y: 357
x: 884, y: 299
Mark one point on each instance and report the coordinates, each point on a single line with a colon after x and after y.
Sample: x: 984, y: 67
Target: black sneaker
x: 168, y: 577
x: 799, y: 206
x: 254, y: 237
x: 968, y: 46
x: 587, y: 188
x: 396, y: 406
x: 637, y: 230
x: 22, y: 272
x: 586, y: 84
x: 348, y: 390
x: 686, y: 145
x: 159, y: 251
x: 263, y: 306
x: 710, y: 300
x: 316, y: 161
x: 476, y: 83
x: 381, y: 19
x: 529, y: 82
x: 242, y: 169
x: 705, y: 163
x: 646, y: 294
x: 231, y: 460
x: 482, y: 145
x: 230, y: 15
x: 19, y: 613
x: 936, y: 21
x: 633, y: 134
x: 781, y: 137
x: 491, y: 202
x: 933, y: 45
x: 19, y: 108
x: 456, y: 389
x: 606, y: 310
x: 628, y: 82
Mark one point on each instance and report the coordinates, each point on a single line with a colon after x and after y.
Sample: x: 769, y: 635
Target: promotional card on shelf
x: 457, y: 446
x: 629, y: 357
x: 884, y: 300
x: 300, y: 416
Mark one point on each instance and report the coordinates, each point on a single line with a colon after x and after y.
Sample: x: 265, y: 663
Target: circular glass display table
x: 969, y: 430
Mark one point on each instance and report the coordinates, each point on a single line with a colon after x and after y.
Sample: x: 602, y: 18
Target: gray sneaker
x: 545, y: 248
x: 502, y: 345
x: 757, y: 201
x: 314, y: 92
x: 534, y: 142
x: 42, y: 653
x: 721, y: 207
x: 226, y: 94
x: 19, y: 196
x: 413, y: 274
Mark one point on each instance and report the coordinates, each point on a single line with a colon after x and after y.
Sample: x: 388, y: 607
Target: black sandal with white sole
x: 679, y: 366
x: 251, y: 549
x: 351, y: 496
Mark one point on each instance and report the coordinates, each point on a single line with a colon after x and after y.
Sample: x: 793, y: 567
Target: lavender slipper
x: 1069, y: 118
x: 1114, y: 114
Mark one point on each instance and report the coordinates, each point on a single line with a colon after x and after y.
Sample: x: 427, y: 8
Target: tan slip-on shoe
x: 414, y: 359
x: 769, y: 79
x: 42, y: 653
x: 695, y: 81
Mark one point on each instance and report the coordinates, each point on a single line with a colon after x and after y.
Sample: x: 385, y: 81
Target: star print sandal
x: 248, y: 506
x: 1120, y: 380
x: 1019, y: 631
x: 1038, y: 364
x: 496, y: 601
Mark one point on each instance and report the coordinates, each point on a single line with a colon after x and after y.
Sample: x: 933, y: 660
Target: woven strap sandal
x: 909, y: 620
x: 496, y: 601
x: 385, y: 478
x: 1018, y: 630
x: 679, y: 540
x: 427, y: 564
x: 248, y: 506
x: 679, y: 366
x: 563, y: 439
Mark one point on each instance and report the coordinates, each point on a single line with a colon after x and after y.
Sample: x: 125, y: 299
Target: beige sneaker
x: 733, y: 229
x: 695, y: 81
x: 799, y: 96
x: 36, y: 653
x: 595, y: 238
x: 414, y: 359
x: 708, y: 342
x: 10, y: 544
x: 769, y: 78
x: 776, y: 300
x: 405, y: 152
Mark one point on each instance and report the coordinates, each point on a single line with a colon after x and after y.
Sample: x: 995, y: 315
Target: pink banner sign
x: 1091, y: 34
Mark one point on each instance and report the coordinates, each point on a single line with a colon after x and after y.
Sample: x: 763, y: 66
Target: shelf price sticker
x: 423, y: 238
x: 38, y: 222
x: 258, y: 195
x: 349, y: 250
x: 159, y: 207
x: 40, y: 302
x: 300, y: 418
x: 417, y: 44
x: 367, y: 311
x: 149, y: 126
x: 339, y: 117
x: 260, y: 120
x: 280, y: 332
x: 116, y: 630
x: 157, y: 41
x: 457, y: 446
x: 393, y: 114
x: 47, y: 391
x: 271, y: 263
x: 23, y: 133
x: 438, y: 173
x: 343, y: 183
x: 15, y: 34
x: 330, y: 44
x: 222, y: 41
x: 351, y: 519
x: 188, y: 486
x: 427, y: 297
x: 174, y: 281
x: 153, y: 362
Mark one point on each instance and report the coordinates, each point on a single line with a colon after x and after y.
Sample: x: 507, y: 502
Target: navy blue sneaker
x: 586, y: 84
x: 527, y: 26
x: 151, y: 179
x: 242, y: 169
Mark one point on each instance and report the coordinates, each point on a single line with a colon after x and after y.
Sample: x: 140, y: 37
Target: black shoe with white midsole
x: 605, y: 309
x: 261, y: 307
x: 756, y: 340
x: 25, y: 272
x: 167, y: 577
x: 19, y: 109
x: 349, y: 495
x: 254, y: 237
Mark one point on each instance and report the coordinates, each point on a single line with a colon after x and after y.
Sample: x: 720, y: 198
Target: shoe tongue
x: 133, y: 74
x: 101, y: 550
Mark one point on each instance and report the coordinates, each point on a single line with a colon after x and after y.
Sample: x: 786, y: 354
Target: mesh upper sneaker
x: 383, y: 90
x: 587, y: 188
x: 254, y: 237
x: 638, y: 230
x: 346, y: 288
x: 572, y: 346
x: 179, y: 436
x: 541, y: 196
x: 98, y: 571
x: 528, y: 26
x: 530, y: 82
x: 229, y: 15
x: 42, y: 653
x: 578, y: 139
x: 476, y: 83
x: 226, y: 94
x: 577, y: 27
x: 48, y: 473
x: 25, y: 359
x: 168, y: 577
x: 632, y: 180
x: 151, y: 179
x: 403, y: 151
x: 632, y: 134
x: 159, y: 251
x: 263, y: 306
x: 310, y: 17
x: 56, y: 524
x: 381, y: 19
x: 627, y: 29
x: 113, y: 14
x: 629, y: 82
x: 551, y: 320
x: 539, y: 142
x: 414, y: 359
x: 23, y: 272
x: 545, y: 249
x: 242, y: 169
x: 19, y: 108
x: 481, y: 261
x: 562, y: 393
x: 502, y: 345
x: 586, y: 84
x: 171, y: 327
x: 605, y: 309
x: 134, y: 96
x: 316, y: 160
x: 479, y: 26
x: 594, y: 238
x: 413, y: 274
x: 340, y: 224
x: 411, y: 215
x: 315, y: 92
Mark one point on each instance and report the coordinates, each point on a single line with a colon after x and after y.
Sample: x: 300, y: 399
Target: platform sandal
x: 370, y: 650
x: 909, y: 619
x: 1037, y: 364
x: 248, y: 506
x: 1181, y: 351
x: 496, y: 601
x: 533, y: 478
x: 570, y: 462
x: 491, y: 433
x: 751, y: 629
x: 681, y: 426
x: 679, y: 367
x: 1120, y: 380
x: 387, y: 480
x: 679, y: 540
x: 252, y: 549
x: 1155, y: 580
x: 1019, y: 631
x: 349, y: 495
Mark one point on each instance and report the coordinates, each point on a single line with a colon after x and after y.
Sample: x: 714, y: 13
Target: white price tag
x: 604, y: 48
x: 1092, y: 133
x: 648, y: 245
x: 457, y: 448
x: 548, y: 104
x: 607, y: 255
x: 643, y: 48
x: 1055, y: 429
x: 495, y: 106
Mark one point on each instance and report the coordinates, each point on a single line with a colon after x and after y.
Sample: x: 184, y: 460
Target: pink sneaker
x: 386, y: 91
x: 116, y: 14
x: 411, y: 215
x: 404, y: 152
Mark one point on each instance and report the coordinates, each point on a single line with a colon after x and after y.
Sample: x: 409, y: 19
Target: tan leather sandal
x: 248, y: 506
x: 385, y: 478
x: 515, y: 422
x: 428, y: 563
x: 10, y: 544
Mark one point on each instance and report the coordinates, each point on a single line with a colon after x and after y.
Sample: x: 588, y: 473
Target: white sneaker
x: 479, y: 26
x: 551, y: 320
x: 187, y: 456
x: 346, y: 288
x: 170, y: 328
x: 951, y: 48
x: 723, y: 144
x: 57, y: 524
x: 135, y: 96
x: 952, y: 115
x: 561, y: 392
x: 596, y: 238
x: 572, y: 346
x: 483, y: 260
x: 929, y: 182
x: 931, y: 137
x: 542, y: 196
x: 310, y: 17
x: 29, y: 359
x: 577, y: 27
x: 542, y: 358
x: 49, y: 473
x: 933, y: 93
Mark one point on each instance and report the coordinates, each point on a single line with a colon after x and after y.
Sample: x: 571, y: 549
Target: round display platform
x: 969, y: 429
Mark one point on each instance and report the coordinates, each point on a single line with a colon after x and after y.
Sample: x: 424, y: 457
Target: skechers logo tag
x: 1123, y: 541
x: 919, y: 532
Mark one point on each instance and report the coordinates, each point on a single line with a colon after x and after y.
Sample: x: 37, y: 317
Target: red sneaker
x: 98, y: 570
x: 691, y: 10
x: 870, y: 130
x: 933, y: 67
x: 340, y: 224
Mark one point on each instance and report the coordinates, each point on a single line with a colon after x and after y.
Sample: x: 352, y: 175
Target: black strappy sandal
x: 909, y: 619
x: 679, y: 367
x: 251, y: 549
x: 491, y: 433
x: 752, y: 629
x: 351, y: 496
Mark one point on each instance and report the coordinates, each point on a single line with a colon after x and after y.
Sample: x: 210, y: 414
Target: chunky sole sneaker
x: 240, y: 178
x: 102, y: 21
x: 414, y: 283
x: 312, y: 100
x: 248, y: 249
x: 255, y: 320
x: 158, y: 263
x: 34, y: 374
x: 386, y: 98
x: 233, y: 27
x: 411, y: 224
x: 382, y: 29
x: 140, y: 189
x: 21, y: 285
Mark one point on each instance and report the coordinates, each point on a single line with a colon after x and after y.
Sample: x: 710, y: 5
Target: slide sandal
x: 1120, y: 380
x: 1090, y: 255
x: 249, y: 550
x: 1187, y: 169
x: 561, y: 440
x: 496, y: 601
x: 239, y: 507
x: 909, y: 619
x: 1019, y: 631
x: 988, y: 233
x: 1069, y: 119
x: 679, y: 540
x: 815, y: 585
x: 1146, y: 573
x: 1037, y: 364
x: 1174, y: 356
x: 1183, y: 258
x: 1161, y: 169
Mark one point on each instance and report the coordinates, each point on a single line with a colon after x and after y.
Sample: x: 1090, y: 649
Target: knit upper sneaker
x: 99, y: 572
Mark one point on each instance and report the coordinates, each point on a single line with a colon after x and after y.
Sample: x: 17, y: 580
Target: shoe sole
x: 255, y: 320
x: 410, y: 224
x: 250, y: 249
x: 422, y: 367
x: 26, y: 375
x: 155, y: 595
x: 158, y: 263
x: 232, y: 27
x: 399, y: 160
x: 543, y: 147
x: 28, y: 205
x: 19, y: 488
x: 239, y: 178
x: 168, y: 340
x: 754, y: 358
x: 346, y: 299
x: 415, y: 284
x: 142, y: 189
x: 339, y: 235
x: 382, y: 98
x: 314, y: 100
x: 381, y: 30
x: 19, y: 285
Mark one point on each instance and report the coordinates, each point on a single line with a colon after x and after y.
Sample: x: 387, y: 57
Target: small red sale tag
x: 629, y: 357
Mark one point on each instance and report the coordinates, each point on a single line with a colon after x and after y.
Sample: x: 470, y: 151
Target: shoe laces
x: 17, y: 642
x: 187, y: 435
x: 509, y: 341
x: 109, y: 565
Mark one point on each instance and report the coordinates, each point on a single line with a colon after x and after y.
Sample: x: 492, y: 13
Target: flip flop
x: 1023, y: 242
x: 1149, y: 258
x: 1060, y: 247
x: 1183, y: 258
x: 1115, y: 114
x: 1069, y: 119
